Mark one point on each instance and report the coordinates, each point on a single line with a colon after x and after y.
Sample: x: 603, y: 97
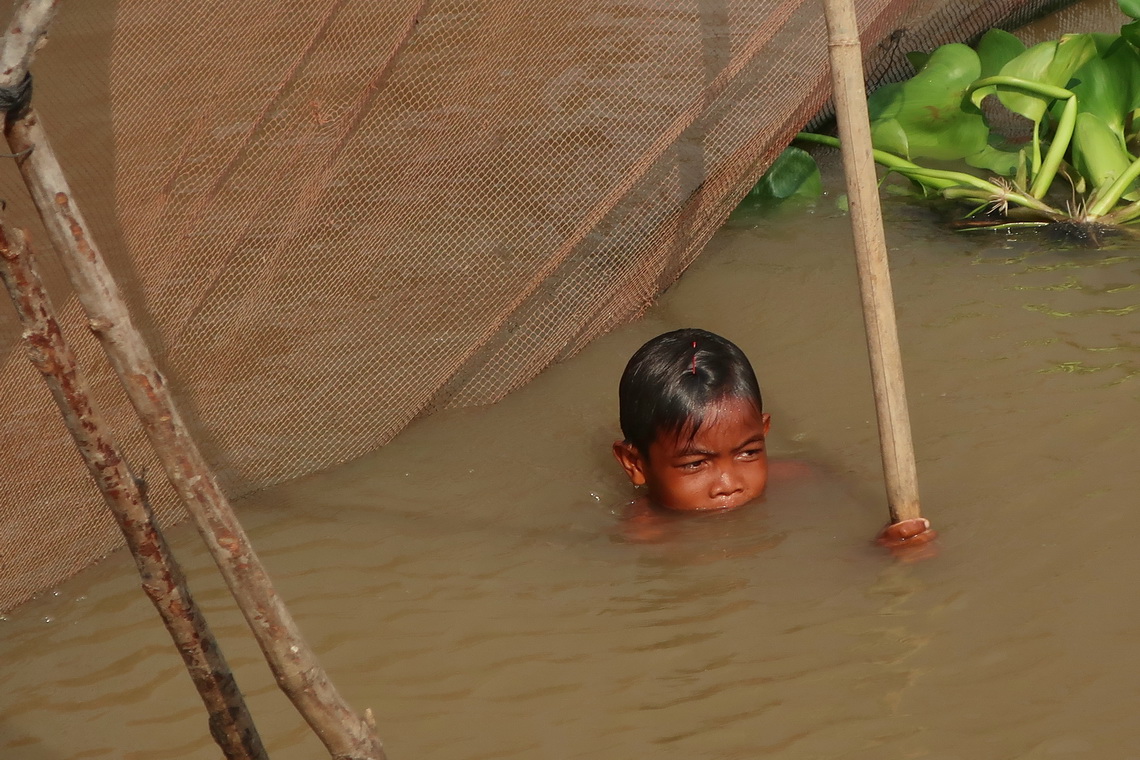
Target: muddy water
x: 472, y: 584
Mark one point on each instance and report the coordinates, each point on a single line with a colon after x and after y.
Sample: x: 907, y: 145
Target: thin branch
x: 162, y: 578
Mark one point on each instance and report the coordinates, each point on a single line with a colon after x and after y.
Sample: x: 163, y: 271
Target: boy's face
x: 723, y: 466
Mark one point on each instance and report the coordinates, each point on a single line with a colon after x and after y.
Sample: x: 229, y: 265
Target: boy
x: 695, y: 428
x: 693, y: 421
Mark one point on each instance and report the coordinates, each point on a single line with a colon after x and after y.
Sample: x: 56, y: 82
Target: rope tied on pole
x: 15, y: 102
x: 17, y: 99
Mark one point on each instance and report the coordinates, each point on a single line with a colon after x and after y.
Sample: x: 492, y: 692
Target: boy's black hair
x: 668, y: 384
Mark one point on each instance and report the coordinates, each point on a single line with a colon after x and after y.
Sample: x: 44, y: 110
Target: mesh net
x: 333, y: 217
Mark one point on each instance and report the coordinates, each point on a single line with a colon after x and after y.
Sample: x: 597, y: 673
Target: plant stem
x: 1003, y: 226
x: 939, y: 179
x: 1062, y: 136
x: 969, y: 180
x: 1036, y: 88
x: 1123, y: 215
x: 889, y: 160
x: 1044, y: 171
x: 1114, y: 192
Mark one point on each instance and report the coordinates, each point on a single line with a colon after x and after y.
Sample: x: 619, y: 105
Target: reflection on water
x: 472, y: 585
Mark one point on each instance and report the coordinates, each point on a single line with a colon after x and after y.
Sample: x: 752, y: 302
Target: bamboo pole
x: 874, y: 274
x: 346, y: 735
x: 162, y: 579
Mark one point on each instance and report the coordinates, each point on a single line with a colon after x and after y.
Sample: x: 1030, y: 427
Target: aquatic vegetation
x: 1044, y: 135
x: 793, y: 174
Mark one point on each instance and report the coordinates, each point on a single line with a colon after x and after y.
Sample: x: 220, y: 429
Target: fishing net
x: 331, y: 218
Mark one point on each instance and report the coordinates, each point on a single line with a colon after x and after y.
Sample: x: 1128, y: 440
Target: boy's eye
x: 690, y: 465
x: 752, y: 453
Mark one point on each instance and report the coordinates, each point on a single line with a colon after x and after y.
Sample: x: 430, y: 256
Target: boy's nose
x: 727, y: 483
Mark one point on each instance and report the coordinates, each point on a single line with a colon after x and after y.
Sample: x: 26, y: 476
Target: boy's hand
x: 909, y: 540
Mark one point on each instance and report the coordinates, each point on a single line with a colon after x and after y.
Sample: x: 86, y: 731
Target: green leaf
x: 998, y: 161
x: 1130, y: 8
x: 924, y: 116
x: 1098, y: 154
x: 997, y: 48
x: 1032, y: 65
x: 1073, y: 51
x: 1131, y: 32
x: 1108, y: 85
x: 885, y: 102
x: 794, y: 174
x: 883, y: 105
x: 1052, y: 62
x: 889, y: 135
x: 917, y: 58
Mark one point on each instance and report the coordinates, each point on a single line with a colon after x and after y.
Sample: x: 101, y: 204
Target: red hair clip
x: 694, y: 357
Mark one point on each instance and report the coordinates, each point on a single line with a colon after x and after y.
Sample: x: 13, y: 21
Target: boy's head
x: 693, y: 421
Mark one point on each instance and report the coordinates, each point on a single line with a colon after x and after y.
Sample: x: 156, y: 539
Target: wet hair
x: 670, y: 384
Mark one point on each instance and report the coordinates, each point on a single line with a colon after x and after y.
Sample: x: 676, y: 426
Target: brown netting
x: 334, y: 217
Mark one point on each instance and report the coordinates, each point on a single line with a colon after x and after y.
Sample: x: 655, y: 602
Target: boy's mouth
x: 719, y: 503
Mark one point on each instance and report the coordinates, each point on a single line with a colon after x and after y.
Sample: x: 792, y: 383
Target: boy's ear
x: 766, y: 420
x: 630, y: 460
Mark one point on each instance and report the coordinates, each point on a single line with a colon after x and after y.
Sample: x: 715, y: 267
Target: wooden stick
x: 346, y: 735
x: 162, y: 579
x: 30, y: 21
x: 871, y: 257
x: 294, y: 665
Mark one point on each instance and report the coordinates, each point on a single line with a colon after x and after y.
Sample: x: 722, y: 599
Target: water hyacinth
x: 946, y: 129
